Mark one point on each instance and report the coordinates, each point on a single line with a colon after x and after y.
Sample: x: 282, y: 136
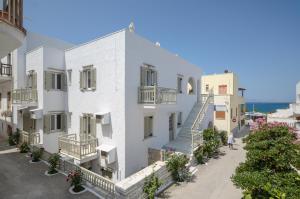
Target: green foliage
x: 76, y: 180
x: 198, y: 154
x: 53, y: 161
x: 211, y: 142
x: 17, y: 136
x: 223, y: 137
x: 14, y: 138
x: 11, y: 140
x: 36, y: 155
x: 24, y: 148
x: 267, y: 173
x: 176, y: 164
x: 151, y: 185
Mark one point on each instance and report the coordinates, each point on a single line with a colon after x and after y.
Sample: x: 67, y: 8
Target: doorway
x: 28, y: 123
x: 172, y: 127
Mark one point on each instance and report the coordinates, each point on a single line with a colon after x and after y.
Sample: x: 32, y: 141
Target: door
x: 171, y: 127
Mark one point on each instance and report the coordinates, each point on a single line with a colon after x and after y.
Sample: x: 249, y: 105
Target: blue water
x: 265, y: 107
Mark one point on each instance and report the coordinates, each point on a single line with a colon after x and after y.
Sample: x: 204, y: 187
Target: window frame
x: 54, y: 81
x: 221, y: 88
x: 217, y: 115
x: 54, y: 121
x: 151, y: 131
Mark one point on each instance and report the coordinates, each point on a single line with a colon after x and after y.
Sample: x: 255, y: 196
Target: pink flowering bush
x: 75, y: 178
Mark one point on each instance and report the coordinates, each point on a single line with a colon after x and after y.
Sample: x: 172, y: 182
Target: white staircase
x: 190, y: 135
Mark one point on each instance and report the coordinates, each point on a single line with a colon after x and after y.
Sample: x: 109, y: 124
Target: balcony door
x: 172, y: 127
x: 148, y: 76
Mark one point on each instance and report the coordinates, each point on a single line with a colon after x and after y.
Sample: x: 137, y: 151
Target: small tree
x: 53, y: 161
x: 36, y: 155
x: 176, y: 164
x: 75, y: 179
x: 211, y: 142
x: 151, y: 185
x: 24, y: 148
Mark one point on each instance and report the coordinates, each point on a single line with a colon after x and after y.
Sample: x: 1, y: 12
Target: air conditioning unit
x: 103, y: 118
x: 107, y: 154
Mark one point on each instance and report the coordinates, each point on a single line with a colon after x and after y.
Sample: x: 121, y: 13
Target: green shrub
x: 198, y: 154
x: 76, y: 180
x: 24, y: 148
x: 53, y: 162
x: 36, y: 155
x: 176, y: 164
x: 17, y: 136
x: 211, y: 142
x: 223, y: 137
x: 11, y: 140
x: 151, y: 185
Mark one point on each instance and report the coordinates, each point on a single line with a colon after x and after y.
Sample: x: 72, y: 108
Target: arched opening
x: 191, y: 88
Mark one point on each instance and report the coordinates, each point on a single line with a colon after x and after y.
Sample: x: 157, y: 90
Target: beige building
x: 229, y: 113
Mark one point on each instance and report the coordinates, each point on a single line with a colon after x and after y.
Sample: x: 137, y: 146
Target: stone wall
x: 132, y: 187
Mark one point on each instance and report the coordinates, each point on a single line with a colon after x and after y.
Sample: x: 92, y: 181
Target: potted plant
x: 53, y: 162
x: 36, y: 155
x: 24, y: 148
x: 76, y: 181
x: 151, y: 185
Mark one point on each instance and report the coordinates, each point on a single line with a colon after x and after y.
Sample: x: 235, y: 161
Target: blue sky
x: 257, y: 39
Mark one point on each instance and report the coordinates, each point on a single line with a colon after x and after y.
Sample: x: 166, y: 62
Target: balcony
x: 26, y: 97
x: 156, y: 95
x: 30, y: 138
x: 12, y: 32
x: 82, y: 148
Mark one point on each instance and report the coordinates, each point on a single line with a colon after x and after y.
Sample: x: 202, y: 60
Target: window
x: 88, y: 78
x: 0, y: 100
x: 56, y: 121
x: 148, y: 76
x: 31, y: 79
x: 222, y: 89
x: 220, y: 115
x: 88, y: 124
x: 56, y: 81
x: 179, y: 119
x: 9, y: 59
x: 8, y: 100
x: 191, y: 86
x: 70, y: 77
x: 206, y: 87
x: 179, y: 84
x: 148, y: 127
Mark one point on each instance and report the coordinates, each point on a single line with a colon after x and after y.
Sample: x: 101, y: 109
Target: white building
x: 110, y: 104
x: 290, y: 116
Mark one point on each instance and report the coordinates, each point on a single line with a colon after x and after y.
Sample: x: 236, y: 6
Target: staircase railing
x: 197, y: 136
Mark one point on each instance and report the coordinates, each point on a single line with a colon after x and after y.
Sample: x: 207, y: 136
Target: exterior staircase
x: 190, y: 135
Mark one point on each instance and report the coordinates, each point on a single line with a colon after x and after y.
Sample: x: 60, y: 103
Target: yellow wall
x: 231, y: 100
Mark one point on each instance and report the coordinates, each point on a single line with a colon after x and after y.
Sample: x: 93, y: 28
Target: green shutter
x: 143, y: 76
x: 63, y: 82
x: 93, y: 126
x: 93, y: 78
x: 154, y: 78
x: 34, y: 80
x: 48, y: 80
x: 63, y: 121
x: 47, y: 123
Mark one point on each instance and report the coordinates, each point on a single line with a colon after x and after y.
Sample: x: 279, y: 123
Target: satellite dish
x: 131, y: 27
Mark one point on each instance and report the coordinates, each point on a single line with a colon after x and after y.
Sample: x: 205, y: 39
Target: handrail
x: 156, y: 95
x: 5, y: 69
x: 25, y: 95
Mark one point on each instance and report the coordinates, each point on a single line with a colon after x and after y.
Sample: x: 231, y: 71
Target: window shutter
x: 63, y: 82
x: 48, y: 80
x: 47, y: 123
x: 81, y: 80
x: 93, y: 126
x: 63, y: 121
x: 154, y: 73
x: 81, y: 124
x: 93, y: 78
x: 143, y: 76
x: 34, y: 80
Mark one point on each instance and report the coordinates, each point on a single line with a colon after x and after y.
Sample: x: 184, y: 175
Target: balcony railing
x: 78, y: 147
x: 5, y: 70
x: 30, y: 138
x: 12, y: 13
x: 25, y: 96
x: 156, y: 95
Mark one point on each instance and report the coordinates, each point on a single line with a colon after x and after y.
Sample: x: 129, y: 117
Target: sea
x: 266, y: 107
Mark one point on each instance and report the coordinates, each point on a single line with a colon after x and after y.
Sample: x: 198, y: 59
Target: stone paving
x: 20, y: 179
x: 212, y: 181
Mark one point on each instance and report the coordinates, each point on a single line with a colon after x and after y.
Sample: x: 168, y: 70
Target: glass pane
x: 58, y: 121
x: 89, y: 79
x: 58, y: 79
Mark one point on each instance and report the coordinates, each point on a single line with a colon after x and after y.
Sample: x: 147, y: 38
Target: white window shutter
x: 63, y: 82
x: 81, y: 85
x: 93, y: 126
x: 81, y: 125
x: 48, y: 80
x: 47, y: 123
x: 93, y: 78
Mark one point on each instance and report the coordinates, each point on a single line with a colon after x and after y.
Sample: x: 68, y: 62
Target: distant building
x: 291, y: 115
x: 229, y: 103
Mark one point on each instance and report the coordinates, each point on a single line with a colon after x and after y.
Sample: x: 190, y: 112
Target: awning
x: 220, y: 108
x: 107, y: 148
x: 21, y: 107
x: 102, y: 113
x: 36, y: 113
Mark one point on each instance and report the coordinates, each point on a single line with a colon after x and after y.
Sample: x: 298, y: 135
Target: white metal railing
x: 77, y: 147
x: 197, y: 135
x: 26, y: 95
x: 156, y: 95
x: 30, y: 138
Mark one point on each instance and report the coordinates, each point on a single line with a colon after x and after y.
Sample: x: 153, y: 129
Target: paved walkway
x: 21, y: 180
x: 212, y: 181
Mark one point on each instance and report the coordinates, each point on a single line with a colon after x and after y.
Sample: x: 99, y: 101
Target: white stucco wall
x: 140, y: 51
